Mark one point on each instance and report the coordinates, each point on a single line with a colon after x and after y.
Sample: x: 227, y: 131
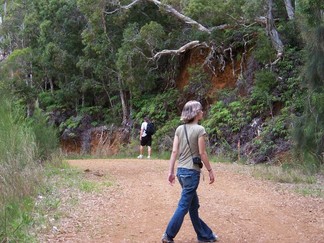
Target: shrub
x: 23, y: 143
x: 19, y: 172
x: 46, y: 135
x: 227, y: 119
x: 264, y: 52
x: 265, y: 81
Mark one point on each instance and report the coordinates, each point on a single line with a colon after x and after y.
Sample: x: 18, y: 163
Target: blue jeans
x: 189, y: 181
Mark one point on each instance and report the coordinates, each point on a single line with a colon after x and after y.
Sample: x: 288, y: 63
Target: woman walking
x: 189, y: 143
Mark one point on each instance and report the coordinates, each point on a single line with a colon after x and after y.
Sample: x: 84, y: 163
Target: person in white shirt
x: 145, y: 139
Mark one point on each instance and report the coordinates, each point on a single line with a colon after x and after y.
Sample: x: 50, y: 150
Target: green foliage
x: 279, y: 126
x: 132, y: 57
x: 226, y: 119
x: 159, y: 108
x: 314, y: 74
x: 71, y: 123
x: 263, y: 149
x: 309, y: 128
x: 272, y: 137
x: 264, y: 52
x: 163, y: 138
x: 18, y: 156
x: 153, y: 36
x: 291, y: 33
x: 283, y: 174
x: 15, y: 220
x: 261, y: 95
x: 213, y: 13
x: 23, y: 143
x: 48, y: 101
x: 19, y: 65
x: 46, y: 135
x: 17, y: 143
x: 253, y: 8
x: 311, y: 10
x: 58, y: 100
x: 127, y: 54
x: 264, y: 82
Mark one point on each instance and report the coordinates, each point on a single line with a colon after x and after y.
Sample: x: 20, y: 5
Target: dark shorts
x: 146, y: 141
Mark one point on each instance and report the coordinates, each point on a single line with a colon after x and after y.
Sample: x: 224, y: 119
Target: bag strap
x: 185, y: 128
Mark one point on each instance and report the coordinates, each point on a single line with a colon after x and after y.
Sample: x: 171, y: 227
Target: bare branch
x: 220, y: 27
x: 124, y: 7
x: 209, y: 59
x: 180, y: 16
x: 182, y: 49
x: 167, y: 8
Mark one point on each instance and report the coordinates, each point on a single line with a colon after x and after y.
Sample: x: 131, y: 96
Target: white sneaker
x: 140, y: 156
x: 148, y: 157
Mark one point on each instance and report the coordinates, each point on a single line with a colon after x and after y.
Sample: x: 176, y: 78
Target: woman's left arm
x: 204, y: 157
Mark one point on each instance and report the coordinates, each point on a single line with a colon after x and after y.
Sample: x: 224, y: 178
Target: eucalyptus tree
x: 118, y: 51
x: 50, y: 30
x: 12, y: 26
x: 102, y: 38
x: 134, y: 56
x: 17, y: 71
x: 59, y: 48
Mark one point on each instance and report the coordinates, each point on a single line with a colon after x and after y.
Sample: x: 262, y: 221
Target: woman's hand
x: 171, y: 178
x: 211, y: 177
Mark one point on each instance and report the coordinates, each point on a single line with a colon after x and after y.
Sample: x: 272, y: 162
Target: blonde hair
x: 190, y: 111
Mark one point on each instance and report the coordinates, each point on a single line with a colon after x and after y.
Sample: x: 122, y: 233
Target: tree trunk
x: 290, y: 9
x: 123, y: 102
x: 4, y: 9
x: 51, y: 86
x: 272, y: 31
x: 29, y: 110
x: 82, y: 100
x: 107, y: 92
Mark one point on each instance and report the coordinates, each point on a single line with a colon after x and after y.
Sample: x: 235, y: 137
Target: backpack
x: 150, y: 129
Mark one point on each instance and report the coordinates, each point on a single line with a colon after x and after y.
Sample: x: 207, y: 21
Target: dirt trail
x: 140, y: 203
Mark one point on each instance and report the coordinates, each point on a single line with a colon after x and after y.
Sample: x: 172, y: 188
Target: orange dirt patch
x: 219, y: 79
x: 140, y: 203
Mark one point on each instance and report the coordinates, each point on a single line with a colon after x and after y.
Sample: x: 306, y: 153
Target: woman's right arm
x: 173, y: 159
